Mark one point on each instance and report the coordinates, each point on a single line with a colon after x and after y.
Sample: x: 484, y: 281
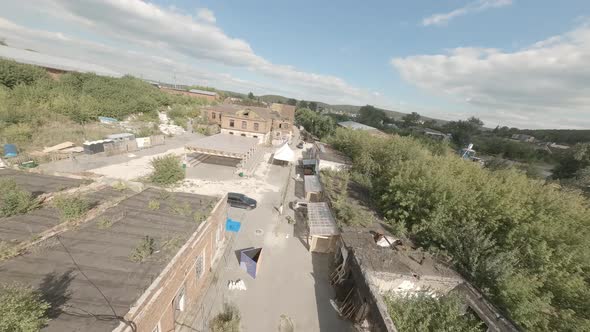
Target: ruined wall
x: 398, y: 283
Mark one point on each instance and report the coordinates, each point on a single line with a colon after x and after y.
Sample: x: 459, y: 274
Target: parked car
x: 300, y: 145
x: 241, y: 201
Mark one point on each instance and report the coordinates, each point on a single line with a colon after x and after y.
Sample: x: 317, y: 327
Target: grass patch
x: 71, y: 207
x: 144, y: 250
x: 347, y: 211
x: 104, y: 223
x: 154, y: 205
x: 14, y: 200
x: 119, y: 186
x: 226, y: 321
x: 7, y: 250
x: 172, y: 244
x: 199, y: 217
x: 167, y: 170
x: 181, y: 209
x: 22, y: 308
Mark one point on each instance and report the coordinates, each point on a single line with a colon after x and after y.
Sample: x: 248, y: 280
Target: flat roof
x: 402, y: 260
x: 224, y: 143
x: 102, y: 253
x: 355, y: 125
x: 203, y: 92
x: 312, y: 184
x: 38, y: 183
x: 327, y: 153
x: 54, y: 62
x: 320, y: 219
x: 262, y: 113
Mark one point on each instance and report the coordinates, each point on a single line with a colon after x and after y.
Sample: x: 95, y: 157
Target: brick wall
x: 157, y: 304
x: 263, y: 125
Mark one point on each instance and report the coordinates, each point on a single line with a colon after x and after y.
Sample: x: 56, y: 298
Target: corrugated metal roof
x: 55, y: 62
x: 355, y: 125
x: 320, y: 219
x: 203, y: 92
x: 312, y: 184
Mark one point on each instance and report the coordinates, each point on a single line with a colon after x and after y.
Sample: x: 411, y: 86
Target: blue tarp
x: 106, y: 119
x: 10, y: 150
x: 232, y: 225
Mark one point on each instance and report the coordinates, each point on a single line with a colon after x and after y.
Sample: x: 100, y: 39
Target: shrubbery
x: 226, y: 321
x: 71, y: 207
x: 21, y: 309
x: 14, y: 200
x: 523, y: 242
x: 167, y: 170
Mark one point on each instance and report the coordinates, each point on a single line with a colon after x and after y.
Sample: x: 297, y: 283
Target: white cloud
x: 544, y: 85
x: 151, y: 32
x: 206, y: 15
x: 472, y: 7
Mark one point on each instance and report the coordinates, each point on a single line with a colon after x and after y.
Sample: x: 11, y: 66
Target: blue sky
x: 510, y: 62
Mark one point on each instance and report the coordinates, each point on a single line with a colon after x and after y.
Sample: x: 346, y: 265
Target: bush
x: 167, y: 170
x: 426, y: 313
x: 144, y: 250
x: 71, y: 207
x: 14, y: 200
x: 21, y: 309
x: 154, y: 205
x: 226, y: 321
x: 13, y: 73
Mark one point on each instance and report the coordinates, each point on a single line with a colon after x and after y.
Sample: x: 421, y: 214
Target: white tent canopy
x: 284, y: 153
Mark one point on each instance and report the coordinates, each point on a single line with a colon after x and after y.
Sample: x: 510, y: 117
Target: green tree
x: 317, y: 124
x: 291, y: 101
x: 21, y: 309
x: 302, y: 104
x: 424, y: 313
x: 313, y: 106
x: 251, y: 95
x: 371, y: 116
x: 13, y: 73
x: 167, y: 170
x: 464, y: 131
x: 412, y: 119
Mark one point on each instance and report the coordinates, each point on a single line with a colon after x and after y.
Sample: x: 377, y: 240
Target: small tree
x: 226, y: 321
x: 14, y: 200
x: 167, y: 170
x: 250, y: 95
x: 21, y: 309
x: 71, y: 207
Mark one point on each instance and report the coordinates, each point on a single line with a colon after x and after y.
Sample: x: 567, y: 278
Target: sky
x: 517, y: 63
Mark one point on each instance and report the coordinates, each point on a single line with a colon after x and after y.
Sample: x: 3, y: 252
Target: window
x: 244, y: 125
x: 244, y: 135
x: 200, y: 265
x: 256, y: 125
x: 231, y: 132
x: 280, y: 125
x: 231, y: 123
x: 212, y: 115
x: 255, y: 136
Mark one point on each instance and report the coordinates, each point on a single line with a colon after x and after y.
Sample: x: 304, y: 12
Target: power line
x: 104, y: 317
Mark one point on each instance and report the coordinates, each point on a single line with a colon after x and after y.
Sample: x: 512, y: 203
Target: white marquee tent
x: 284, y: 153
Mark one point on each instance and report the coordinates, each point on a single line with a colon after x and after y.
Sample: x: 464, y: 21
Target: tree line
x: 523, y: 242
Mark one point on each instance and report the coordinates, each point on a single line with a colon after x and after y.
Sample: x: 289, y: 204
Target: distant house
x: 558, y: 146
x: 435, y: 134
x: 359, y: 126
x: 286, y: 111
x: 55, y: 65
x: 523, y: 138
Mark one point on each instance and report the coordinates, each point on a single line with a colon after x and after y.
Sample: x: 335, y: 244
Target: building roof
x: 312, y: 184
x: 103, y: 255
x: 225, y: 143
x: 320, y: 219
x: 327, y: 153
x: 355, y: 125
x: 54, y: 62
x: 203, y: 92
x: 402, y: 260
x: 246, y: 112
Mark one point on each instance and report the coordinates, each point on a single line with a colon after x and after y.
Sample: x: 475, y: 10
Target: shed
x: 323, y: 232
x: 313, y: 188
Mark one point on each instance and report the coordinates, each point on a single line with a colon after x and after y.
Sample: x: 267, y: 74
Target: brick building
x: 262, y: 123
x: 185, y: 234
x: 202, y: 94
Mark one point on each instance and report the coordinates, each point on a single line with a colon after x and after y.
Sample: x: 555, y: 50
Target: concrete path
x: 292, y: 286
